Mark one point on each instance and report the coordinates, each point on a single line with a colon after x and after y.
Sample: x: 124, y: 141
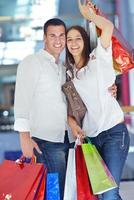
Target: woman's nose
x: 74, y: 42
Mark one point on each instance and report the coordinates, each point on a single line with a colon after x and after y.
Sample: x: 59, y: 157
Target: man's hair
x: 53, y: 22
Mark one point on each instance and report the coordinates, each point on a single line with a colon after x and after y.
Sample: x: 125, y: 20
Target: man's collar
x: 50, y: 57
x: 47, y: 55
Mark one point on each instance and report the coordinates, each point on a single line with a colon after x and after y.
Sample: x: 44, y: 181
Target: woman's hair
x: 86, y: 50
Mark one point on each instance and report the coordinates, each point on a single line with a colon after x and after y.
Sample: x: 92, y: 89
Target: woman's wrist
x: 72, y: 122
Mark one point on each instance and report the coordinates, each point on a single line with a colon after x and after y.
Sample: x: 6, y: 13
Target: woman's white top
x: 92, y: 82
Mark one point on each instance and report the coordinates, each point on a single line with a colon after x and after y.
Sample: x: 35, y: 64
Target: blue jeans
x: 54, y: 156
x: 113, y: 145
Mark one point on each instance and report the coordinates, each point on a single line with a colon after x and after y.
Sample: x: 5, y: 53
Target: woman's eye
x: 79, y: 38
x: 69, y: 40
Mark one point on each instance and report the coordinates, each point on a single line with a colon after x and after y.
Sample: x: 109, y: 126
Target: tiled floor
x: 127, y: 190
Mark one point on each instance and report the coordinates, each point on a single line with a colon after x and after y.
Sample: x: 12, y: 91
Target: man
x: 40, y: 106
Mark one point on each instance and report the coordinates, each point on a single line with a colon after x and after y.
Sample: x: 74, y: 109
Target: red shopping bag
x: 23, y: 181
x: 38, y: 190
x: 84, y: 190
x: 123, y: 60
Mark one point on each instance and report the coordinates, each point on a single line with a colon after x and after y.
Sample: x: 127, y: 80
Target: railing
x: 128, y: 108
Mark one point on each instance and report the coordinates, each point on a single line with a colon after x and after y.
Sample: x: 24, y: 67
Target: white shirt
x: 40, y: 105
x: 103, y: 110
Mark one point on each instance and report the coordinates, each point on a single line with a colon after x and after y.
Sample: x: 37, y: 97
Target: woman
x: 92, y: 73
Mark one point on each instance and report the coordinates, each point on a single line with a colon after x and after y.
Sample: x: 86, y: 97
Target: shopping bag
x: 52, y: 187
x: 104, y: 165
x: 122, y: 59
x: 102, y: 161
x: 38, y: 188
x: 22, y: 181
x: 70, y: 192
x: 84, y: 190
x: 99, y: 178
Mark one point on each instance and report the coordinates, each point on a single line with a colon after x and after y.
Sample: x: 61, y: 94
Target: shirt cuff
x: 104, y: 51
x: 21, y: 125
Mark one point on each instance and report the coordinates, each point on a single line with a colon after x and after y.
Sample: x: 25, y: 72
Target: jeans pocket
x: 125, y: 141
x: 121, y: 138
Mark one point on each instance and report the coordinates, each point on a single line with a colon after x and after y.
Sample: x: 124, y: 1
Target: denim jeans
x: 54, y: 156
x: 113, y: 145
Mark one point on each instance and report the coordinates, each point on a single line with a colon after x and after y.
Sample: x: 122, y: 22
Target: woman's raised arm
x: 88, y: 12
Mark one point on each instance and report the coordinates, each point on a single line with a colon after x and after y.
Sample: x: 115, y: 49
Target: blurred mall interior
x: 21, y: 34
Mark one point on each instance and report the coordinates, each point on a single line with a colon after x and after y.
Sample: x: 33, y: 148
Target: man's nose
x: 57, y: 39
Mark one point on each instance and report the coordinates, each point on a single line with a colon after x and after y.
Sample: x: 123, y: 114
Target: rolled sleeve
x: 22, y: 125
x: 106, y: 72
x: 104, y: 52
x: 27, y: 78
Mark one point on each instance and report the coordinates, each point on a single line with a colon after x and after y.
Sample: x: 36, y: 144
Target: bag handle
x: 24, y: 159
x: 87, y: 139
x: 77, y: 142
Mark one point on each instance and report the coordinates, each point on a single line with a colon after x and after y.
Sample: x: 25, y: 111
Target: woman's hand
x: 87, y: 9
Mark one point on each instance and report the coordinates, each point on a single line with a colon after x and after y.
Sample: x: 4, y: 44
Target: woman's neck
x: 78, y: 62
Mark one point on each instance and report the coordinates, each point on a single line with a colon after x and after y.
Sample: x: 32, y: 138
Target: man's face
x: 55, y: 40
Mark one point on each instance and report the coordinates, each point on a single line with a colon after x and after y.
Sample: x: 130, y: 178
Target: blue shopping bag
x: 52, y: 187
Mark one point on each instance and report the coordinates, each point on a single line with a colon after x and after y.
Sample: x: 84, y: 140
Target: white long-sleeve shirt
x: 103, y: 110
x: 40, y: 106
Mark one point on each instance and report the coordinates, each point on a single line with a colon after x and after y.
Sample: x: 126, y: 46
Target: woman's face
x: 75, y: 43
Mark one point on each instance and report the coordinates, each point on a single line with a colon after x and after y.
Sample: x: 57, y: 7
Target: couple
x: 40, y: 106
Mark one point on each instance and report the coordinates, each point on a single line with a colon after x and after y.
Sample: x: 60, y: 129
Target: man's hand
x: 28, y: 144
x: 113, y: 90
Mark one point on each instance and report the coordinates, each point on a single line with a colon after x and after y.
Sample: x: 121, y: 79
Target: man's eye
x: 62, y: 36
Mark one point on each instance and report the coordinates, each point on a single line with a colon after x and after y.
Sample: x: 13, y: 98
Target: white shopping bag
x: 70, y: 191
